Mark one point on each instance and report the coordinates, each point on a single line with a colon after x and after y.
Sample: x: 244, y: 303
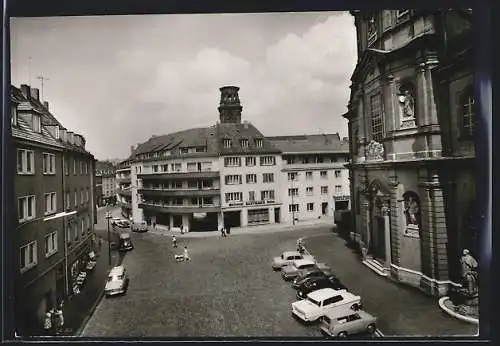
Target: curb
x: 450, y: 312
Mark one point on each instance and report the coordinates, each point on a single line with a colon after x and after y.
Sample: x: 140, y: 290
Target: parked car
x: 287, y: 258
x: 117, y: 282
x: 122, y: 223
x: 321, y: 269
x: 114, y: 220
x: 347, y: 322
x: 292, y: 270
x: 319, y: 302
x: 126, y: 242
x: 317, y: 283
x: 139, y: 227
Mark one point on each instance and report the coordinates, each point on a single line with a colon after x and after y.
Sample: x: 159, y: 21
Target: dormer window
x: 37, y: 125
x: 227, y: 143
x: 258, y: 142
x: 244, y: 143
x: 14, y: 115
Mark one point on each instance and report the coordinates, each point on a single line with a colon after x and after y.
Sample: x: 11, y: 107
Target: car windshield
x: 315, y: 302
x: 114, y: 278
x: 306, y: 266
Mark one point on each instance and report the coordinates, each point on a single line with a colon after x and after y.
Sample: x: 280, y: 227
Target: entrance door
x: 379, y: 239
x: 277, y: 215
x: 324, y: 208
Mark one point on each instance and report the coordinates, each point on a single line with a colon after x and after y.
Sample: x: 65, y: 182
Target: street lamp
x: 108, y: 216
x: 57, y: 216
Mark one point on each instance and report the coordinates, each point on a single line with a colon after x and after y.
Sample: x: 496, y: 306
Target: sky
x: 118, y: 80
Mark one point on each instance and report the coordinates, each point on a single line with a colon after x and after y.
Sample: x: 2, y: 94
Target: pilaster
x: 395, y: 199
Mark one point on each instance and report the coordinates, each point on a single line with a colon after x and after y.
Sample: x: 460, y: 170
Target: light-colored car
x: 139, y: 227
x: 347, y: 322
x: 322, y: 301
x: 117, y: 282
x: 287, y: 258
x: 291, y: 271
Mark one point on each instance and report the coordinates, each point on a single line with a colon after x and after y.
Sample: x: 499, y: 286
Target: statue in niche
x: 469, y: 272
x: 412, y: 209
x: 407, y: 102
x: 375, y: 150
x: 372, y: 27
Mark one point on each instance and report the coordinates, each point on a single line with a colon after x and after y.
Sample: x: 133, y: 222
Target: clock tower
x: 230, y: 107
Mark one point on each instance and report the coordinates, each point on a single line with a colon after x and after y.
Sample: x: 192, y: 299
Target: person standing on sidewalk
x: 59, y: 321
x: 186, y: 254
x: 222, y: 232
x: 182, y: 229
x: 47, y: 324
x: 174, y: 241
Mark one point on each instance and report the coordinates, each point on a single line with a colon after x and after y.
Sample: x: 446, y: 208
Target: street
x: 229, y: 289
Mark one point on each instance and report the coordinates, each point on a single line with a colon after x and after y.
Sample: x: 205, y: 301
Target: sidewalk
x: 275, y: 227
x: 78, y: 308
x: 401, y: 310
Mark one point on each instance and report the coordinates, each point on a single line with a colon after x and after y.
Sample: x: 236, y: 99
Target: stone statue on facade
x: 407, y: 104
x: 469, y: 272
x: 374, y: 151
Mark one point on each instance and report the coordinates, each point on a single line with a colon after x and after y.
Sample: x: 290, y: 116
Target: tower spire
x: 230, y: 107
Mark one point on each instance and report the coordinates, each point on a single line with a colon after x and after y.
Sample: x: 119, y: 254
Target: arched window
x: 412, y: 210
x: 468, y: 112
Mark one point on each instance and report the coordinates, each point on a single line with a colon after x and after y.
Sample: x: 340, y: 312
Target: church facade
x: 411, y: 127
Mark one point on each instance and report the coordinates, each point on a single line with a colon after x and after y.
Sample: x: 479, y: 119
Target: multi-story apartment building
x: 228, y: 174
x: 314, y: 180
x: 124, y: 187
x: 106, y: 186
x: 411, y: 125
x: 53, y: 174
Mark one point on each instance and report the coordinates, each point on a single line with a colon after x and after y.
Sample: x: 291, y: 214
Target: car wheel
x: 355, y: 307
x: 342, y: 334
x: 371, y: 328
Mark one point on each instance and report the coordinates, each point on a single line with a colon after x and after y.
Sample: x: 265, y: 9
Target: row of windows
x: 236, y: 179
x: 244, y: 142
x: 179, y: 201
x: 295, y: 207
x: 166, y: 153
x: 26, y: 205
x: 28, y: 256
x: 26, y: 163
x: 310, y: 191
x: 310, y: 175
x: 238, y: 196
x: 311, y: 159
x: 250, y: 161
x: 177, y: 167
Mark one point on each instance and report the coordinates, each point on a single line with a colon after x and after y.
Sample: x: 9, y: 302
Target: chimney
x: 46, y: 105
x: 35, y: 93
x: 84, y: 141
x: 25, y: 89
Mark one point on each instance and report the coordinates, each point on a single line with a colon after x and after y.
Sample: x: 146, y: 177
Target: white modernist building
x: 231, y: 174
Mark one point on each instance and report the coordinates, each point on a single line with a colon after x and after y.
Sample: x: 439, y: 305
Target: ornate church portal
x: 378, y: 238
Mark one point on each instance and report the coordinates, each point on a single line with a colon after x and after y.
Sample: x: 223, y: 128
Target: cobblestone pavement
x: 227, y: 289
x: 400, y: 310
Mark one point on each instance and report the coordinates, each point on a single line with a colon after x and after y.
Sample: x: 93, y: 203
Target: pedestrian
x: 228, y: 231
x: 59, y: 321
x: 222, y: 232
x: 174, y: 241
x: 186, y: 254
x: 47, y: 323
x: 182, y: 229
x: 154, y: 225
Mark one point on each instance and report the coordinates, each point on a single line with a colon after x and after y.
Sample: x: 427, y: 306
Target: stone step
x: 375, y: 266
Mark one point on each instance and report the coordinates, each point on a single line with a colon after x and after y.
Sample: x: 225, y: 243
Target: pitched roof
x: 236, y: 132
x: 310, y: 143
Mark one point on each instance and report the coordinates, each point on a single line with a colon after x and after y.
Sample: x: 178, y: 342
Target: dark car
x: 314, y: 284
x: 313, y: 272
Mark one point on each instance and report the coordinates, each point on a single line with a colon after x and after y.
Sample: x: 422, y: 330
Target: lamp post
x: 108, y: 216
x: 57, y: 216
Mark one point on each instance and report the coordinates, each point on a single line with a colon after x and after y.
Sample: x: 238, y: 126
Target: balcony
x: 125, y: 204
x: 125, y: 193
x: 180, y: 192
x: 185, y: 208
x: 124, y: 180
x: 179, y: 175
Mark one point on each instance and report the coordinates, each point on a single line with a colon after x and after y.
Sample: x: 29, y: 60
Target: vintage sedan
x: 123, y: 223
x: 117, y: 282
x: 287, y: 258
x: 139, y: 226
x: 320, y: 269
x: 317, y: 283
x: 291, y: 271
x: 319, y: 302
x: 342, y: 322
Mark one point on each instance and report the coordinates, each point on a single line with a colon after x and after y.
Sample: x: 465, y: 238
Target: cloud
x: 153, y: 84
